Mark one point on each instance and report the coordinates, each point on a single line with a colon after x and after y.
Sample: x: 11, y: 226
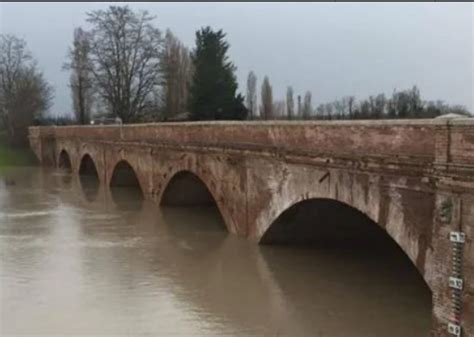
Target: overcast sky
x: 331, y: 49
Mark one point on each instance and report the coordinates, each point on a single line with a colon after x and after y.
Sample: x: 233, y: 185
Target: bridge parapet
x: 446, y: 143
x: 455, y: 145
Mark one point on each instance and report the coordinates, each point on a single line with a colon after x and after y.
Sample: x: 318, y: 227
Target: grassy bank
x: 15, y: 156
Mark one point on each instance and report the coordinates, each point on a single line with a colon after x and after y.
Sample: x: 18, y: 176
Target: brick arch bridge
x: 415, y: 179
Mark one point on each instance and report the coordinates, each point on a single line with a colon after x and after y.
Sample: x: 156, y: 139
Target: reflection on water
x: 90, y: 186
x: 127, y: 198
x: 72, y: 265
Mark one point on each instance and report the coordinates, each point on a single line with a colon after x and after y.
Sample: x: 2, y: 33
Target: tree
x: 176, y: 75
x: 290, y: 103
x: 251, y: 97
x: 320, y: 111
x: 379, y: 107
x: 24, y: 93
x: 406, y: 104
x: 299, y: 107
x: 328, y: 109
x: 81, y: 80
x: 350, y: 105
x: 307, y: 107
x: 267, y: 99
x: 124, y: 54
x: 214, y: 86
x: 416, y: 106
x: 391, y: 106
x: 340, y: 107
x: 279, y: 109
x: 364, y: 109
x: 402, y: 104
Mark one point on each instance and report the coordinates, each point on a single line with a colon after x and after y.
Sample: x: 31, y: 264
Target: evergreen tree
x: 214, y: 87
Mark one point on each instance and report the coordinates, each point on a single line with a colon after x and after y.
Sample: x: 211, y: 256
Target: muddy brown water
x: 75, y: 264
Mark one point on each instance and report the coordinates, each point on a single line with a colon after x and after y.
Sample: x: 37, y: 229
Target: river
x: 72, y: 265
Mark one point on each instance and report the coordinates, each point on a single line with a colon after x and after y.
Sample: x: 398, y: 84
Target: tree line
x: 400, y: 105
x: 124, y: 66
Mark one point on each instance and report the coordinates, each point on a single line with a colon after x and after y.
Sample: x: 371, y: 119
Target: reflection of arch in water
x: 125, y: 187
x: 189, y: 224
x: 215, y: 274
x: 186, y: 189
x: 89, y: 177
x: 64, y: 164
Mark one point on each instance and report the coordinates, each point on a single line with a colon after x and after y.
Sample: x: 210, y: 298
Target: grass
x: 14, y: 155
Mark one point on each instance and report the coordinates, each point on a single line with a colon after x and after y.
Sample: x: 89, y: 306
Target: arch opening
x: 65, y: 161
x: 125, y: 187
x: 64, y: 164
x: 187, y: 189
x: 89, y: 177
x: 326, y: 223
x: 190, y: 194
x: 351, y: 239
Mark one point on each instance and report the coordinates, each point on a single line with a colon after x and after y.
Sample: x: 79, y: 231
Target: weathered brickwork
x: 415, y: 179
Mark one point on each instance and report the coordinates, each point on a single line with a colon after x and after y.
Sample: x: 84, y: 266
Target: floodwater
x: 74, y: 264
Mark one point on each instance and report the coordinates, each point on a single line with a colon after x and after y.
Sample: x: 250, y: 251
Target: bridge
x: 412, y: 180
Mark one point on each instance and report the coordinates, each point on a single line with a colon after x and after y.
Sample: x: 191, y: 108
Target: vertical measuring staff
x: 456, y: 282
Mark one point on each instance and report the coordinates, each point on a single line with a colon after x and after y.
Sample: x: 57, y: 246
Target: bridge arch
x: 123, y: 177
x: 187, y: 188
x: 327, y: 222
x: 87, y: 166
x: 64, y: 161
x: 89, y: 177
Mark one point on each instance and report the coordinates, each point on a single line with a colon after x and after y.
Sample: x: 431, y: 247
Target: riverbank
x: 15, y: 155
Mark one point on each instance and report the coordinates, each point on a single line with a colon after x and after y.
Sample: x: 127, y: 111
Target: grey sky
x: 331, y: 49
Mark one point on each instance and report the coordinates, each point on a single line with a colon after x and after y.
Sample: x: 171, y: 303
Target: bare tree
x: 379, y: 105
x: 350, y: 105
x: 307, y: 107
x: 320, y: 111
x: 340, y: 107
x: 299, y: 106
x: 176, y: 74
x: 125, y: 49
x: 252, y: 94
x: 81, y: 79
x: 290, y: 103
x: 24, y: 93
x: 328, y: 108
x: 416, y: 105
x: 267, y: 99
x: 279, y: 109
